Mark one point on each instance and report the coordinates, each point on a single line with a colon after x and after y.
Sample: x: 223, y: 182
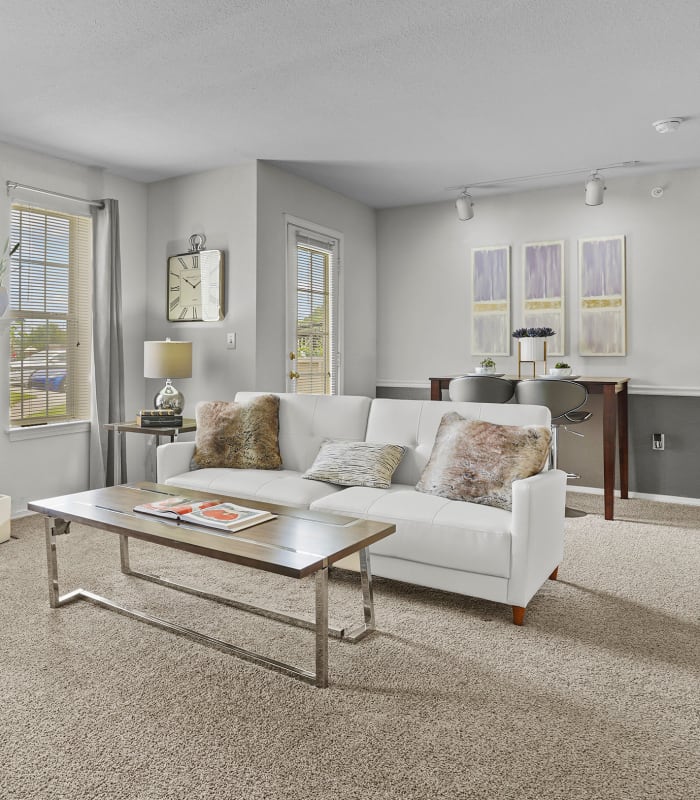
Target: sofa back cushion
x: 306, y: 420
x: 414, y: 424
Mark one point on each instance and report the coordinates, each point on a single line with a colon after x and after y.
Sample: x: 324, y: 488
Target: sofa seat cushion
x: 430, y: 529
x: 285, y: 486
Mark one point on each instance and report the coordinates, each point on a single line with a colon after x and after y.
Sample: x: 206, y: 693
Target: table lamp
x: 168, y: 360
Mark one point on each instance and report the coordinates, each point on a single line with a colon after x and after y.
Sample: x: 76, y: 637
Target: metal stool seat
x: 481, y: 389
x: 563, y: 399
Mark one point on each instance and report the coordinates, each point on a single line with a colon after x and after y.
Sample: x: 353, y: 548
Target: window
x: 50, y: 316
x: 313, y: 282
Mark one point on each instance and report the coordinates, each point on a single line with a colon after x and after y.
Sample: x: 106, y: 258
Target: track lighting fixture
x: 595, y: 186
x: 465, y: 207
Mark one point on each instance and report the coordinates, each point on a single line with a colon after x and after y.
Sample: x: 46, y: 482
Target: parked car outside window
x: 51, y: 377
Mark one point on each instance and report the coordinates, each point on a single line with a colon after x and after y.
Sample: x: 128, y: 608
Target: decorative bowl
x: 560, y: 372
x: 484, y: 370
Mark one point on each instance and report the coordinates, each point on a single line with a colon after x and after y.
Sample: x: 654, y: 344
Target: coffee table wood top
x: 297, y: 543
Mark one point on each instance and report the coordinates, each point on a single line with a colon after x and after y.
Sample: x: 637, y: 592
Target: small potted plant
x: 486, y: 367
x: 531, y: 342
x: 560, y: 370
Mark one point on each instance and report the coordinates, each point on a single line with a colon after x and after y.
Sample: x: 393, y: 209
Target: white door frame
x: 291, y: 224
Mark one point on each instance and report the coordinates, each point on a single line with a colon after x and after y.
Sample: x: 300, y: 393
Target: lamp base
x: 169, y: 397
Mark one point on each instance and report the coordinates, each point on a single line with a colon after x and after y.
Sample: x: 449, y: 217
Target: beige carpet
x: 595, y: 697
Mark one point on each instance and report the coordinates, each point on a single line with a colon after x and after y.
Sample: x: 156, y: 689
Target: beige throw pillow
x: 238, y: 435
x: 355, y: 463
x: 477, y: 461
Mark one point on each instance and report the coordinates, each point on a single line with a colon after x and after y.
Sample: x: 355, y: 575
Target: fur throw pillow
x: 238, y: 435
x: 478, y: 461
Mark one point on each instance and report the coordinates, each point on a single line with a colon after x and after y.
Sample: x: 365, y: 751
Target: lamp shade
x: 167, y: 359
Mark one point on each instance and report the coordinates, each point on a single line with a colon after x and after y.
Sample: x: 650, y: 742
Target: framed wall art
x: 491, y: 301
x: 543, y: 291
x: 602, y: 309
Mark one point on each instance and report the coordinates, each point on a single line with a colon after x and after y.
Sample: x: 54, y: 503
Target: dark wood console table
x: 615, y: 414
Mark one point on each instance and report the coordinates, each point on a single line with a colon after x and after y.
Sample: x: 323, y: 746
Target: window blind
x: 50, y: 289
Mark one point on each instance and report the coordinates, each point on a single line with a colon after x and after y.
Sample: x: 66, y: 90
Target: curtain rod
x: 14, y: 185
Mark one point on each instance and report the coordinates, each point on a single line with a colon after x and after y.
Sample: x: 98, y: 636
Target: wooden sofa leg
x: 518, y: 615
x: 553, y: 576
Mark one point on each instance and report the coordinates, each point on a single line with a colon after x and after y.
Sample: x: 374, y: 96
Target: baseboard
x: 659, y: 498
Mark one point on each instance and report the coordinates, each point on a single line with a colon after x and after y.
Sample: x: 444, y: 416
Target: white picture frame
x: 602, y: 302
x: 490, y: 282
x: 544, y: 291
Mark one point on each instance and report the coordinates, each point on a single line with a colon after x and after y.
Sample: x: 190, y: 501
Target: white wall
x: 280, y: 193
x: 424, y: 292
x: 220, y: 204
x: 43, y: 466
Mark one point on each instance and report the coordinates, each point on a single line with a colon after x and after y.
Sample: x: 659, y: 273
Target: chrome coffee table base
x: 55, y: 527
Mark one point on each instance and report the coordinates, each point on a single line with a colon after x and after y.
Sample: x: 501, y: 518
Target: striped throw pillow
x: 355, y: 463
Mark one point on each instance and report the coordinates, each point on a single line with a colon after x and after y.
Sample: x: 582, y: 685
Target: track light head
x: 595, y: 186
x: 465, y: 207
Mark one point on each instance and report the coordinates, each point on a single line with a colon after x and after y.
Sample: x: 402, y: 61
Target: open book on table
x: 212, y: 513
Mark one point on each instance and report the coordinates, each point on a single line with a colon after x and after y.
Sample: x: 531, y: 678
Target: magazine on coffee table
x: 212, y: 513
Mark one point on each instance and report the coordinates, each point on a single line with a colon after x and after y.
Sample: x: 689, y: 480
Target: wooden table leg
x: 623, y: 442
x: 609, y: 425
x: 435, y: 389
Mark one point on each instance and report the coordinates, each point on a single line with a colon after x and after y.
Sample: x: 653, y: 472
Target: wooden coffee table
x: 298, y: 543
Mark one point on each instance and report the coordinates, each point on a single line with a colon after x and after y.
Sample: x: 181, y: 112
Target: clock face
x: 196, y: 287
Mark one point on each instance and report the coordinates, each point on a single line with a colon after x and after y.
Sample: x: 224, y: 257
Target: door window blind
x: 51, y: 316
x: 316, y: 315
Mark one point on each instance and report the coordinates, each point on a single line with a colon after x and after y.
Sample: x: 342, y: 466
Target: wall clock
x: 196, y: 284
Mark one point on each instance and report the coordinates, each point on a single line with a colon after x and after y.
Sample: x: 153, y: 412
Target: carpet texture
x: 595, y: 697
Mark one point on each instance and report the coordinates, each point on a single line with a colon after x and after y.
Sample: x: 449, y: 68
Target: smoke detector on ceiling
x: 667, y: 125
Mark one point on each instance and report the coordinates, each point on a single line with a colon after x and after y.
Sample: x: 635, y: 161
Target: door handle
x: 293, y: 375
x: 292, y: 356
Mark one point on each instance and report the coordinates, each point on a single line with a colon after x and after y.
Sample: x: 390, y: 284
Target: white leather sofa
x: 471, y: 549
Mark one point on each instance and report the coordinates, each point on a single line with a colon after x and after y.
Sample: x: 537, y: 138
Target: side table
x: 118, y: 428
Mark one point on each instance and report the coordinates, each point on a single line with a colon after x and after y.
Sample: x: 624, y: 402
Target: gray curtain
x: 107, y: 344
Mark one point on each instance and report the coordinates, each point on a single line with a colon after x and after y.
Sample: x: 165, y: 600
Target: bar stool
x: 563, y: 399
x: 481, y: 389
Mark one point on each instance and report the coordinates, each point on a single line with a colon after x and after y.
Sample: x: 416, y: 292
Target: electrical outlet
x: 230, y: 341
x: 657, y: 441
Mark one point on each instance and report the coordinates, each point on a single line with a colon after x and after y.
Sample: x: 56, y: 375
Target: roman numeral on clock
x: 183, y: 313
x: 174, y: 302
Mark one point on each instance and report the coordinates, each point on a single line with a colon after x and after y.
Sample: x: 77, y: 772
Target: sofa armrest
x: 537, y: 546
x: 173, y: 459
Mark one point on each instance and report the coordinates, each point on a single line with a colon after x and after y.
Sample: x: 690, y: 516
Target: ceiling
x: 386, y: 101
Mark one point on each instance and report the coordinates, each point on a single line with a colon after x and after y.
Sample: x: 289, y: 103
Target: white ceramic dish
x: 559, y: 377
x: 487, y: 374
